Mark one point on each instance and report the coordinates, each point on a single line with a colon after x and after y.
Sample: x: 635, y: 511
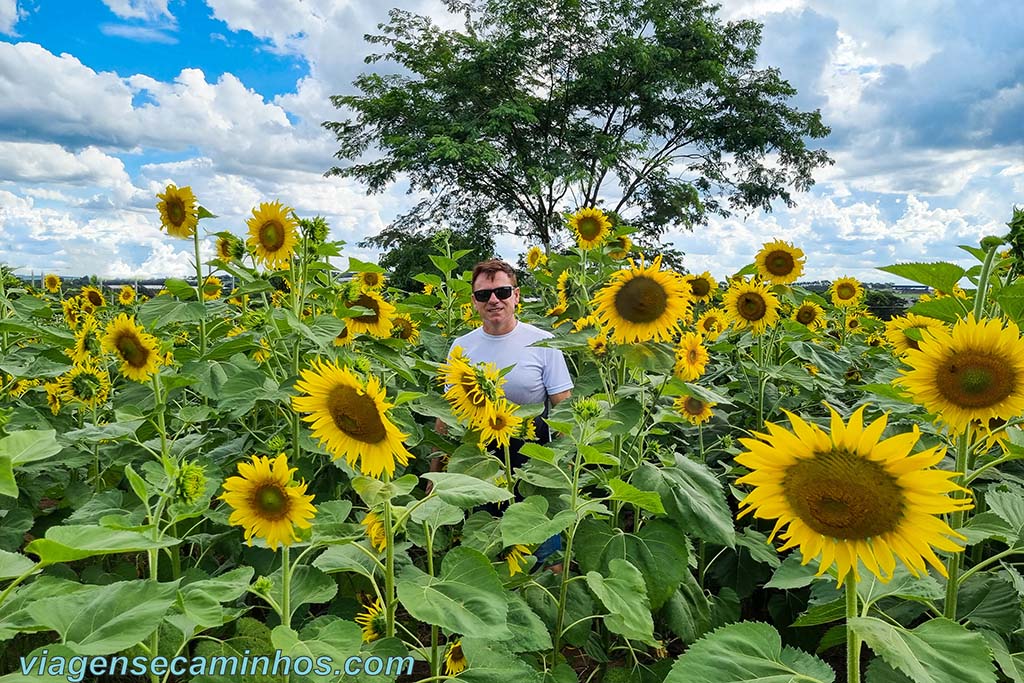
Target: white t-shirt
x: 539, y: 371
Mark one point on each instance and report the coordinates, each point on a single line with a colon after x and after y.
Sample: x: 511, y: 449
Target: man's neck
x: 499, y: 331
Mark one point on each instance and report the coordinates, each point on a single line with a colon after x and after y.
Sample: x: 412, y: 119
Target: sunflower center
x: 700, y: 287
x: 367, y: 302
x: 751, y: 306
x: 779, y: 263
x: 973, y: 380
x: 806, y: 316
x: 498, y: 423
x: 371, y: 279
x: 846, y: 291
x: 132, y: 350
x: 404, y: 328
x: 356, y: 414
x: 95, y: 298
x: 589, y: 227
x: 693, y: 406
x: 842, y: 495
x: 176, y: 213
x: 271, y: 501
x: 272, y: 235
x: 641, y: 300
x: 692, y: 356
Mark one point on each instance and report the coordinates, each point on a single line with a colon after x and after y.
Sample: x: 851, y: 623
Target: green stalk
x: 563, y: 592
x: 286, y: 588
x: 853, y: 641
x: 14, y: 584
x: 956, y: 520
x: 434, y: 658
x: 983, y: 283
x: 199, y: 293
x: 389, y: 568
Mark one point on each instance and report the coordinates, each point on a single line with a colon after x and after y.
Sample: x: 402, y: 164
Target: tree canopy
x: 652, y: 108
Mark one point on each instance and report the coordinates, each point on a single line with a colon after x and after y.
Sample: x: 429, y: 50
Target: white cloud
x: 142, y: 34
x: 51, y: 164
x: 149, y: 10
x: 8, y: 16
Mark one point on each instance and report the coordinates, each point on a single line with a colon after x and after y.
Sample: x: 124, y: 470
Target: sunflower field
x: 751, y: 481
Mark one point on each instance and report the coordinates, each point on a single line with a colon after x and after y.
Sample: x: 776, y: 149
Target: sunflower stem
x: 286, y: 588
x: 389, y: 567
x: 956, y: 520
x: 201, y: 299
x: 983, y: 283
x: 434, y: 662
x: 853, y: 641
x: 563, y: 592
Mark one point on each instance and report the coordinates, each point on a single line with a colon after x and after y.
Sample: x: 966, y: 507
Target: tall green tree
x: 652, y: 108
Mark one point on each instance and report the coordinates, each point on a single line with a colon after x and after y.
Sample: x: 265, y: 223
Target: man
x: 538, y: 374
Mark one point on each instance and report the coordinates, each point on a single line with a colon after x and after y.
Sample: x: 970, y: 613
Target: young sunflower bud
x: 191, y: 482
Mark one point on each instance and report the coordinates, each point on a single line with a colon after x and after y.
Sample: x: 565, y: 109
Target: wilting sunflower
x: 370, y: 280
x: 501, y: 425
x: 643, y: 304
x: 975, y: 372
x: 178, y: 212
x: 454, y: 659
x: 515, y: 557
x: 896, y: 330
x: 535, y: 258
x: 213, y: 288
x: 619, y: 247
x: 702, y: 287
x: 126, y: 295
x: 375, y: 531
x: 995, y: 433
x: 88, y: 341
x: 691, y: 357
x: 272, y: 234
x: 350, y: 419
x: 136, y: 349
x: 712, y: 323
x: 693, y: 410
x: 52, y: 283
x: 85, y: 383
x: 378, y: 322
x: 591, y: 227
x: 846, y: 496
x: 846, y: 291
x: 780, y: 262
x: 810, y: 315
x: 405, y: 329
x: 372, y: 621
x: 751, y: 305
x: 229, y: 247
x: 266, y: 502
x: 93, y: 296
x: 472, y: 390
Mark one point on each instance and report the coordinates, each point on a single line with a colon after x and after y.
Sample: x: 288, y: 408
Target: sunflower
x: 375, y: 531
x: 229, y: 247
x: 126, y: 295
x: 72, y: 311
x: 810, y: 315
x: 562, y: 289
x: 535, y: 258
x: 846, y: 496
x: 975, y: 372
x: 896, y: 330
x: 591, y: 227
x: 378, y: 322
x: 344, y: 337
x: 712, y: 323
x: 350, y: 419
x: 598, y: 345
x: 751, y: 305
x: 515, y: 557
x: 262, y: 354
x: 780, y: 262
x: 266, y: 502
x: 691, y: 357
x: 373, y: 621
x: 643, y: 304
x: 403, y: 327
x: 212, y: 288
x: 454, y: 659
x: 619, y: 247
x: 693, y: 410
x: 52, y: 283
x: 702, y: 287
x: 86, y: 384
x: 501, y: 425
x: 272, y: 234
x: 93, y: 296
x: 369, y: 280
x: 846, y: 291
x: 136, y: 349
x: 178, y: 212
x: 88, y: 341
x: 54, y: 392
x: 993, y: 434
x: 472, y: 390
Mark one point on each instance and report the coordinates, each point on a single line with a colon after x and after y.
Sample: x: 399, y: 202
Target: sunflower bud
x: 315, y: 229
x: 276, y: 443
x: 263, y: 585
x: 586, y: 409
x: 362, y: 364
x: 191, y: 482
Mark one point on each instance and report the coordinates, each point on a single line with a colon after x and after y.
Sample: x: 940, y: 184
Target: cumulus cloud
x: 149, y: 10
x: 9, y: 16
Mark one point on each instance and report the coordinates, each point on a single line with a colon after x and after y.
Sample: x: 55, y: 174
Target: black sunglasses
x: 484, y: 295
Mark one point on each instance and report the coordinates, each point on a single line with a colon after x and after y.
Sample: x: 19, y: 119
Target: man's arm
x: 436, y: 463
x: 559, y: 397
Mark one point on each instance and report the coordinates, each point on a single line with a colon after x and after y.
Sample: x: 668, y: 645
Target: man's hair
x: 492, y: 266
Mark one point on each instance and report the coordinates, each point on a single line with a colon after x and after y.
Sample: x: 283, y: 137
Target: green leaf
x: 374, y: 491
x: 464, y: 491
x: 13, y: 565
x: 947, y: 309
x: 8, y: 487
x: 529, y: 634
x: 467, y: 597
x: 988, y: 601
x: 330, y: 522
x: 1012, y: 665
x: 538, y: 452
x: 687, y: 611
x: 443, y: 263
x: 792, y: 574
x: 528, y: 522
x: 309, y: 586
x: 489, y: 662
x: 645, y: 500
x: 357, y: 266
x: 1011, y: 300
x: 825, y: 613
x: 1009, y: 505
x: 693, y: 496
x: 940, y: 275
x: 437, y: 513
x: 902, y: 585
x: 937, y: 651
x: 29, y: 446
x: 101, y: 620
x: 69, y: 543
x: 747, y: 651
x: 345, y: 558
x: 626, y: 414
x: 624, y: 595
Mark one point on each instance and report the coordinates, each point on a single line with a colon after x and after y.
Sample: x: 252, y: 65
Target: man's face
x: 495, y: 313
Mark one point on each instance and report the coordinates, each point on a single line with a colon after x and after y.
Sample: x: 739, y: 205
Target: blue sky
x: 103, y: 102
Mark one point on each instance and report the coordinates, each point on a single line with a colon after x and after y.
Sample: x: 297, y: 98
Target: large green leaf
x: 330, y: 641
x: 69, y: 543
x: 902, y: 584
x: 1009, y: 505
x: 105, y: 619
x: 1011, y: 664
x: 747, y: 651
x: 1011, y: 300
x: 29, y: 446
x: 309, y: 585
x: 626, y: 492
x: 692, y: 496
x: 940, y: 275
x: 13, y: 565
x: 688, y: 612
x: 435, y: 513
x: 467, y: 597
x: 489, y: 662
x: 528, y: 522
x: 464, y: 491
x: 624, y: 596
x: 989, y: 601
x: 529, y: 634
x: 937, y: 651
x: 8, y: 487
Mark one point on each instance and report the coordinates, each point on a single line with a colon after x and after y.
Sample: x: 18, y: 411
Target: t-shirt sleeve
x: 556, y: 372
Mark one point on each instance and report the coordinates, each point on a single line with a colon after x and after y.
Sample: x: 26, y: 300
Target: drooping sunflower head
x: 370, y: 280
x: 535, y: 258
x: 712, y: 323
x: 691, y: 357
x: 751, y: 305
x: 619, y: 247
x: 780, y: 262
x: 404, y: 328
x: 515, y: 558
x: 905, y: 331
x: 694, y: 410
x: 93, y: 296
x: 810, y: 315
x: 72, y: 308
x: 88, y: 341
x: 350, y: 418
x: 591, y: 226
x: 137, y: 350
x: 643, y: 303
x: 272, y: 234
x: 702, y: 287
x: 179, y: 215
x: 266, y: 502
x: 846, y: 291
x: 847, y: 497
x: 974, y: 372
x: 500, y: 425
x: 379, y: 318
x: 213, y: 288
x: 85, y: 383
x: 52, y: 283
x: 229, y: 247
x: 372, y: 621
x: 375, y: 531
x: 454, y: 659
x: 126, y: 295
